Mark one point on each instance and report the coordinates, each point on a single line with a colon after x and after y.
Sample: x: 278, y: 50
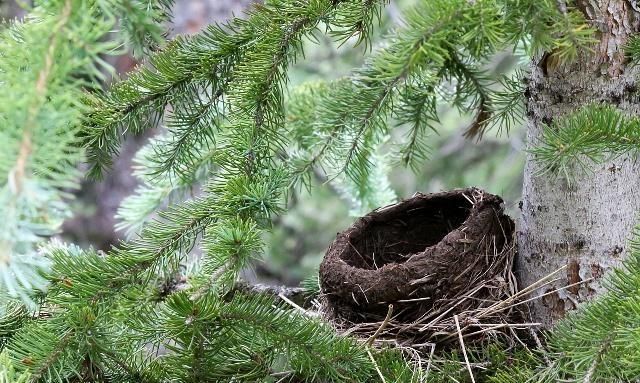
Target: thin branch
x: 376, y: 366
x: 384, y: 324
x: 18, y: 172
x: 464, y: 349
x: 53, y: 357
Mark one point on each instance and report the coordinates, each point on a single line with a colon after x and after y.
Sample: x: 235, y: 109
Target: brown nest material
x: 405, y: 272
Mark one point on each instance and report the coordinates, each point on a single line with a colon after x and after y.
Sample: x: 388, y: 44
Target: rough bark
x: 582, y: 226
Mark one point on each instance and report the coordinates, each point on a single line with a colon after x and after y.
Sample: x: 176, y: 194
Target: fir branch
x: 577, y: 35
x: 18, y: 172
x: 427, y: 52
x: 155, y: 193
x: 331, y: 358
x: 304, y: 110
x: 41, y: 113
x: 96, y: 279
x: 179, y: 69
x: 191, y: 131
x: 425, y: 43
x: 8, y: 373
x: 374, y: 189
x: 58, y: 350
x: 507, y: 103
x: 131, y: 371
x: 594, y: 133
x: 198, y: 63
x: 144, y: 95
x: 13, y: 316
x: 230, y: 247
x: 472, y: 93
x: 541, y: 26
x: 632, y: 49
x: 357, y: 20
x: 141, y: 22
x: 417, y: 107
x: 42, y: 352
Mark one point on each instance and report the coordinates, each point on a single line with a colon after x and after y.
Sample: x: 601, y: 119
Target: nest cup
x: 426, y: 255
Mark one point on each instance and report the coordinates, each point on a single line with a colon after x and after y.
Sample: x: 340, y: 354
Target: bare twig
x: 464, y: 350
x: 433, y: 349
x: 295, y: 305
x: 384, y: 324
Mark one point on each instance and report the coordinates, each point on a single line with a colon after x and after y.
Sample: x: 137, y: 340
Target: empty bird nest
x: 428, y: 269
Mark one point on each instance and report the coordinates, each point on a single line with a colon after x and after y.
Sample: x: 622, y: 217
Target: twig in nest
x: 433, y: 349
x: 294, y: 305
x: 384, y: 324
x: 552, y: 292
x: 376, y: 366
x: 464, y: 350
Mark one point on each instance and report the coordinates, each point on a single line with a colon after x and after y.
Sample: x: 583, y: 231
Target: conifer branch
x: 417, y: 107
x: 17, y: 175
x: 39, y: 148
x: 424, y: 43
x: 335, y: 361
x: 204, y: 60
x: 593, y: 134
x: 474, y: 87
x: 632, y: 49
x: 191, y: 130
x: 18, y: 171
x: 58, y: 350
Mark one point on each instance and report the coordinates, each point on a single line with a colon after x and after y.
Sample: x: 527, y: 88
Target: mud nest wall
x: 429, y: 256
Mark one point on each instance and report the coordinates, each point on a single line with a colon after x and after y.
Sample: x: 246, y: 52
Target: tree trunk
x: 582, y: 226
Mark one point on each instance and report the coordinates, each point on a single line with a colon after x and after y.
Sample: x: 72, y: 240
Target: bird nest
x: 428, y: 269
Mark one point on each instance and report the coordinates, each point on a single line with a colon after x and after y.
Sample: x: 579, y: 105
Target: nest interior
x: 400, y: 233
x: 421, y: 255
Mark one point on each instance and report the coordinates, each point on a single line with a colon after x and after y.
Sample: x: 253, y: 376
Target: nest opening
x: 403, y: 233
